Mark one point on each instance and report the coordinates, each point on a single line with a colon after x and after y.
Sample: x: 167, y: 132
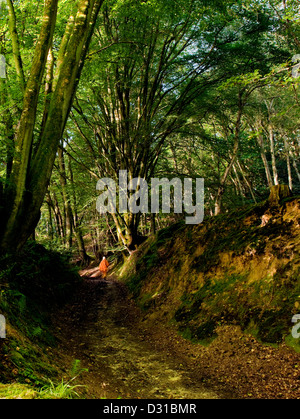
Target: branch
x: 16, y: 44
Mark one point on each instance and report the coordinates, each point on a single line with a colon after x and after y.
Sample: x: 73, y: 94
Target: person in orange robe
x: 103, y: 267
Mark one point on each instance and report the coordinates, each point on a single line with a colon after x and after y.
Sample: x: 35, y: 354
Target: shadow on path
x: 101, y: 328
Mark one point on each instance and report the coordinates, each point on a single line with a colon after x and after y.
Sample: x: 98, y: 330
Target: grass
x: 293, y: 343
x: 62, y: 390
x: 16, y: 391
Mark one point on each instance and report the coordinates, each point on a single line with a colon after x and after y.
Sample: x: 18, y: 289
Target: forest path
x: 101, y: 328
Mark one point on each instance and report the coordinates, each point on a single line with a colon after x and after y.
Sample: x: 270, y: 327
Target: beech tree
x: 143, y: 78
x: 166, y: 88
x: 43, y: 113
x: 148, y: 64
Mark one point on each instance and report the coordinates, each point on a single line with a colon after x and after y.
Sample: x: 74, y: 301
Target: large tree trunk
x: 277, y: 193
x: 31, y: 172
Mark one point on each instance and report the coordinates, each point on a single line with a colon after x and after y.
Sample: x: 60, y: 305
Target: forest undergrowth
x: 66, y: 333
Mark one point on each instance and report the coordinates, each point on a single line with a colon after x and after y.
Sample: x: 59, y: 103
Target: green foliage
x: 151, y: 258
x: 32, y: 284
x: 16, y: 391
x: 159, y: 94
x: 47, y: 270
x: 63, y: 390
x: 77, y: 369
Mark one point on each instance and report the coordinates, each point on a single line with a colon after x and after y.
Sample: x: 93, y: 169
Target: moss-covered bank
x: 239, y: 268
x: 32, y: 285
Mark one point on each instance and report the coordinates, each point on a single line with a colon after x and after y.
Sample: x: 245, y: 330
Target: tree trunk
x: 221, y: 189
x: 242, y: 169
x: 152, y: 224
x: 15, y: 44
x: 58, y: 219
x: 279, y: 192
x: 50, y: 223
x: 288, y: 163
x: 32, y: 171
x: 295, y: 166
x: 272, y: 148
x: 85, y: 259
x: 234, y: 155
x: 67, y: 207
x: 260, y: 141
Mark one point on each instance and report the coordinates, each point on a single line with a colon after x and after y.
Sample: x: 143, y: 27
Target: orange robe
x: 103, y: 267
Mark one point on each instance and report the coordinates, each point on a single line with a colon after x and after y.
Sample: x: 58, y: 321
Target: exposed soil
x: 129, y: 357
x: 102, y: 328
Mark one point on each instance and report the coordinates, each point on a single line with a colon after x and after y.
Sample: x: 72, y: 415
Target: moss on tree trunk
x: 279, y: 192
x: 32, y: 170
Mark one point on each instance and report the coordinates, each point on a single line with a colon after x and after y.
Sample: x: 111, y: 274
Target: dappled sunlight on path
x: 101, y: 330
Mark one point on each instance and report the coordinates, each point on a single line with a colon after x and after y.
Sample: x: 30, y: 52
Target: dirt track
x: 101, y: 328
